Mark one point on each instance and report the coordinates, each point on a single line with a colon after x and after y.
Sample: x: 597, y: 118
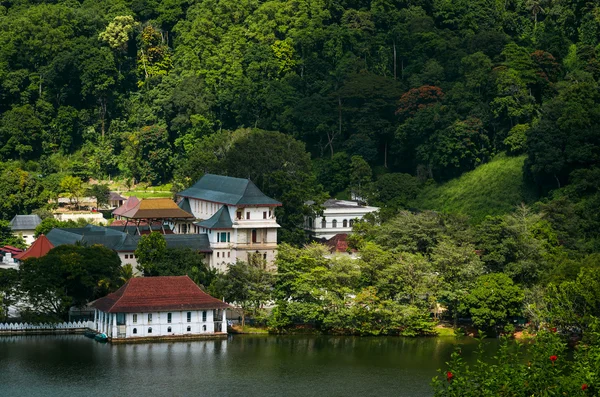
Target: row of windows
x: 219, y: 254
x: 169, y: 317
x: 189, y: 329
x: 240, y: 214
x: 203, y: 206
x: 334, y: 223
x: 129, y: 256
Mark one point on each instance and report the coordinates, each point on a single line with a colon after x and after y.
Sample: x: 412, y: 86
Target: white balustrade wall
x: 66, y: 326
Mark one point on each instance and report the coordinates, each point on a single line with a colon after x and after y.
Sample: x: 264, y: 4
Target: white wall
x: 159, y: 323
x: 91, y: 217
x: 27, y: 236
x: 339, y: 215
x: 131, y: 260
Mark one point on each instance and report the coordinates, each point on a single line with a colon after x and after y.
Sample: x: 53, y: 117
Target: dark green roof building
x: 227, y: 190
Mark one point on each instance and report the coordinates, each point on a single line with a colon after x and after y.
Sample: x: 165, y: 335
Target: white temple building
x: 172, y: 307
x: 237, y: 217
x: 338, y: 218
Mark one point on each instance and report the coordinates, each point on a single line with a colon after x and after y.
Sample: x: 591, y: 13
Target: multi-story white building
x: 237, y: 217
x: 338, y: 218
x: 159, y: 307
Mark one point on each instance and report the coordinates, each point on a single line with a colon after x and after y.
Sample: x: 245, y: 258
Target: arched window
x: 323, y: 223
x: 149, y: 330
x: 334, y: 224
x: 135, y: 330
x: 169, y: 329
x: 351, y: 222
x: 189, y: 328
x: 345, y: 223
x: 204, y: 328
x: 310, y: 223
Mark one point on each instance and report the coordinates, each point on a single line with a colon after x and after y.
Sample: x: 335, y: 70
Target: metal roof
x: 131, y: 202
x: 25, y: 222
x: 196, y: 242
x: 228, y: 190
x: 121, y: 241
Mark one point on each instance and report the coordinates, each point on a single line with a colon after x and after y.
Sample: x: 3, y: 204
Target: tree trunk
x: 402, y: 67
x: 385, y: 150
x: 394, y: 59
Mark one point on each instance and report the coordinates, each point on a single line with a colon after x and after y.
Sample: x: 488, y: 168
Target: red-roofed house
x: 172, y: 306
x: 8, y: 253
x: 40, y: 247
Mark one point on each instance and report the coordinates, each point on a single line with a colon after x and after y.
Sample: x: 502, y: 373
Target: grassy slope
x: 494, y: 188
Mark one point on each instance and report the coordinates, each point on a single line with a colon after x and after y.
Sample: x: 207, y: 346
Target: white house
x: 159, y: 307
x: 338, y: 218
x: 237, y: 217
x: 24, y: 226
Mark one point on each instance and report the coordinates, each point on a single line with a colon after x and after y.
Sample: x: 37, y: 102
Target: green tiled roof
x: 197, y: 242
x: 220, y: 220
x: 184, y: 204
x: 120, y: 241
x: 228, y: 190
x: 25, y: 222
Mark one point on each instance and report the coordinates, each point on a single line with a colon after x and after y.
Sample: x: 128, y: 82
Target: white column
x: 95, y: 318
x: 224, y: 324
x: 114, y: 325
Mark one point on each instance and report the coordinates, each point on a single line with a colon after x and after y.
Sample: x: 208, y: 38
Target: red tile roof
x: 12, y: 250
x: 40, y: 247
x: 338, y: 243
x: 158, y: 294
x: 127, y: 205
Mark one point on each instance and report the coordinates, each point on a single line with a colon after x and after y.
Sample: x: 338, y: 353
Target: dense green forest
x: 473, y: 124
x: 296, y: 93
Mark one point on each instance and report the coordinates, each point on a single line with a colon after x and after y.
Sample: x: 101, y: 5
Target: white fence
x: 17, y: 327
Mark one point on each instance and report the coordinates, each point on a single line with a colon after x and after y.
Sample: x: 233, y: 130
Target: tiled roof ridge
x: 164, y: 293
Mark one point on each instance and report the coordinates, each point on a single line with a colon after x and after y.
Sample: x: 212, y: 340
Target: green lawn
x: 494, y: 188
x: 147, y: 194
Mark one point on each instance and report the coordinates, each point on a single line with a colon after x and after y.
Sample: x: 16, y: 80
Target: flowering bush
x: 543, y: 368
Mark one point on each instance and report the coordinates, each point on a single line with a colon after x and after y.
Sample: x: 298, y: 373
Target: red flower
x: 584, y: 386
x: 553, y: 359
x: 553, y: 329
x: 449, y: 376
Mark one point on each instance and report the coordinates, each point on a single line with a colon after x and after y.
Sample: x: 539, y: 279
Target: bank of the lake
x: 242, y: 365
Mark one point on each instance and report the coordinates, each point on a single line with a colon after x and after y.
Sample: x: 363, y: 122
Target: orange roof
x: 40, y: 247
x: 157, y: 208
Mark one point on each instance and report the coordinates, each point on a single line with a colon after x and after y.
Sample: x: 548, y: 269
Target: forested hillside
x: 310, y: 96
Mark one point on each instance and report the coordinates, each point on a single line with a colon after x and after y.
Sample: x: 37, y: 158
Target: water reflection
x: 241, y: 365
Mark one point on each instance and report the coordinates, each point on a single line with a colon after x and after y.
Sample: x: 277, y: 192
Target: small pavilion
x: 155, y: 211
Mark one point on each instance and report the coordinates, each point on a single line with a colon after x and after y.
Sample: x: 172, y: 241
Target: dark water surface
x: 239, y: 366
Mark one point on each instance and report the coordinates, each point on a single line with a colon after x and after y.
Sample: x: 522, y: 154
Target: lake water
x: 242, y: 365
